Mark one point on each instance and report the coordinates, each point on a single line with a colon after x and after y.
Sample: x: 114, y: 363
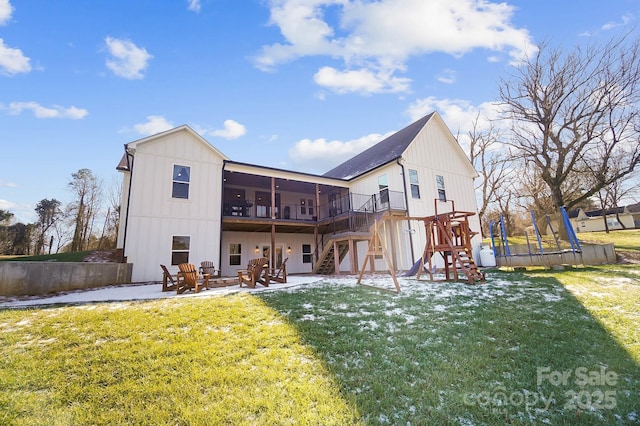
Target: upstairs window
x: 383, y: 187
x: 180, y: 249
x: 415, y: 184
x: 181, y: 178
x: 442, y: 195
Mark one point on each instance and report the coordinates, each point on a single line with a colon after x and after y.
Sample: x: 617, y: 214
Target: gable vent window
x: 415, y: 184
x: 442, y: 195
x: 181, y: 178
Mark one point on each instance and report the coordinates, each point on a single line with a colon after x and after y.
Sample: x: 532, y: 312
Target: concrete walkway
x: 147, y: 291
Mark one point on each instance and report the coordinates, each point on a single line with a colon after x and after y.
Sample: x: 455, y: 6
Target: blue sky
x: 294, y: 84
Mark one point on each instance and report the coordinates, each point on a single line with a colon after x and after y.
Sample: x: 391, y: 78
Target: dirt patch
x: 102, y: 256
x: 628, y: 257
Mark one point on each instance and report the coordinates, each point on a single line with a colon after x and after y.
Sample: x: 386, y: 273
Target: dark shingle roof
x: 383, y: 152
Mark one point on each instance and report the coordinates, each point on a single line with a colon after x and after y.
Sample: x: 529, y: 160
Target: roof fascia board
x: 178, y: 129
x: 233, y: 166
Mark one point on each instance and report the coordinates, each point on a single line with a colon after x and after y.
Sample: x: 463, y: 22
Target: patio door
x: 263, y: 204
x: 266, y: 252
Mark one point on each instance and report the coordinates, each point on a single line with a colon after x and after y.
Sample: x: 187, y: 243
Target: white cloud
x: 320, y: 155
x: 56, y: 111
x: 368, y: 36
x: 128, y: 60
x: 154, y: 124
x: 6, y: 205
x: 194, y: 5
x: 623, y: 21
x: 8, y: 184
x: 5, y: 11
x: 360, y: 81
x: 12, y: 61
x: 459, y: 115
x: 232, y: 130
x: 447, y: 76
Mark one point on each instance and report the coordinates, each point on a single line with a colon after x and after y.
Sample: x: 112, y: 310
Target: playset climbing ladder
x: 449, y: 235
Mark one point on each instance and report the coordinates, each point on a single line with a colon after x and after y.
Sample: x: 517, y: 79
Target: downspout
x: 224, y: 165
x: 130, y: 159
x: 406, y: 203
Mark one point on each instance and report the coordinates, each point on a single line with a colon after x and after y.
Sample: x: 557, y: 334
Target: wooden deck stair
x: 337, y: 248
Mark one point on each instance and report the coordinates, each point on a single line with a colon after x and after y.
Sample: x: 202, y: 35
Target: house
x: 184, y: 201
x: 625, y: 217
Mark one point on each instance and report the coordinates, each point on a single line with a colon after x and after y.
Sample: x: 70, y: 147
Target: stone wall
x: 36, y: 278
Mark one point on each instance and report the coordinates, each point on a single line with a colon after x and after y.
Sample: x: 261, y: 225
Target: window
x: 306, y: 253
x: 180, y: 249
x: 310, y: 203
x: 442, y: 195
x: 235, y: 254
x: 415, y: 184
x: 303, y: 207
x: 181, y: 175
x: 383, y: 187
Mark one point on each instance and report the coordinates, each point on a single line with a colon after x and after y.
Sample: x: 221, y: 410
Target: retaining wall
x: 35, y: 278
x: 592, y: 254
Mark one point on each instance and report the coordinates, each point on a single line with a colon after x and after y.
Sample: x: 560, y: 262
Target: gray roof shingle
x: 384, y: 152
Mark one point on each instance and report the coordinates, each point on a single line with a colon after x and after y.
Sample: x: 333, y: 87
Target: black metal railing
x: 359, y: 207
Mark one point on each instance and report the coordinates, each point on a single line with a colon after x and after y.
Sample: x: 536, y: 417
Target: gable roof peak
x: 383, y: 152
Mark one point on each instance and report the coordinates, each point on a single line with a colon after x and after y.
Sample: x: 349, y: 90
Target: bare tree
x: 574, y: 114
x: 611, y: 197
x: 489, y: 158
x: 88, y: 191
x: 62, y: 232
x: 48, y: 214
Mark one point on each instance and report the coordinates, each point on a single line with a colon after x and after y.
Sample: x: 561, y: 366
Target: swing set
x: 447, y: 234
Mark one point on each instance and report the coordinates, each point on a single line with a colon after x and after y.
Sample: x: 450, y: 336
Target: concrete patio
x: 145, y: 291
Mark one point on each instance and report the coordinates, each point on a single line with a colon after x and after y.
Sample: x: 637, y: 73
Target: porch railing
x: 359, y: 206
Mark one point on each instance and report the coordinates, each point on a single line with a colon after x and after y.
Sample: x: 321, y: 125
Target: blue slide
x: 414, y: 269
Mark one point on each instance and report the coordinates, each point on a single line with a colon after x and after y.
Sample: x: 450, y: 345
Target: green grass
x: 58, y: 257
x: 229, y: 360
x: 336, y: 353
x: 624, y: 240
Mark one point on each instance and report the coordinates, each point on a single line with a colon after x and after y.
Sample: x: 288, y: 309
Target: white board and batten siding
x: 155, y: 216
x: 250, y: 240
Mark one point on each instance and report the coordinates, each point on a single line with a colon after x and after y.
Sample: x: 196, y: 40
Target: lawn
x: 627, y: 241
x: 536, y: 347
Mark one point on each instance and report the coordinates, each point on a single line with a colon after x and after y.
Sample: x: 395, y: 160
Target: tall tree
x: 48, y: 214
x: 5, y: 241
x: 88, y: 191
x: 5, y: 217
x: 573, y: 114
x: 489, y: 158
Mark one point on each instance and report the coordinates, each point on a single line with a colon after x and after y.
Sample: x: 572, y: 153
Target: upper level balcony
x: 337, y: 211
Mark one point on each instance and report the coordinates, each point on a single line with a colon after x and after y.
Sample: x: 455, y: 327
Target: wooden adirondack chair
x: 208, y: 267
x: 255, y: 273
x: 169, y: 282
x: 188, y: 278
x: 279, y: 275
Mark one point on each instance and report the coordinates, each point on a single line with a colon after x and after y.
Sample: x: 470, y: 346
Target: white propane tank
x: 487, y: 258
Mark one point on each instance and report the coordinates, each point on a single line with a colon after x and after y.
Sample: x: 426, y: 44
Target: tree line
x: 566, y: 134
x: 88, y: 222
